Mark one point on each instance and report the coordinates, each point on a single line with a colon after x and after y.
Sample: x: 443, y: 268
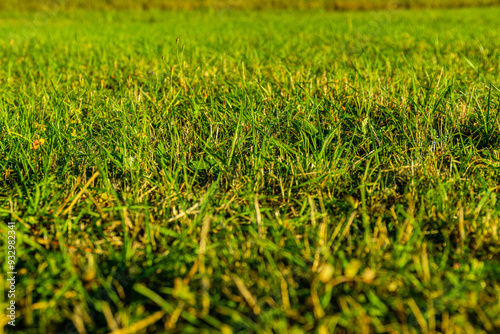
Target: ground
x: 276, y: 171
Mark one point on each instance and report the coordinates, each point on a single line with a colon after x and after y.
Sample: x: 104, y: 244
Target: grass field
x: 50, y: 5
x: 276, y: 171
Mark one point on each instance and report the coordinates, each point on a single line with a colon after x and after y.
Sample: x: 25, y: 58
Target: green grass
x: 257, y: 172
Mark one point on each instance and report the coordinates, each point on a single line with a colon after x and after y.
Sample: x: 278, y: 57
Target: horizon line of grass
x: 328, y: 5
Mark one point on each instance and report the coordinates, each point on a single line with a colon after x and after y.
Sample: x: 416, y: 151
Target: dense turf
x: 257, y: 172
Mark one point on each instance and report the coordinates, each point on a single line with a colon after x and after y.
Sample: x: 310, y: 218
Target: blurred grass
x: 240, y: 4
x: 252, y: 172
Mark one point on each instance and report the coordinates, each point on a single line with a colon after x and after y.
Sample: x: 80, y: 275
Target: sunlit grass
x: 252, y: 171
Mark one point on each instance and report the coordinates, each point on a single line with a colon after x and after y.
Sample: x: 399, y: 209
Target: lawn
x: 255, y: 172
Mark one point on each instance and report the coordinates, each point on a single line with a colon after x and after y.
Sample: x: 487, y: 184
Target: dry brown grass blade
x: 258, y: 216
x: 249, y: 298
x: 80, y: 193
x: 201, y: 259
x: 418, y: 315
x: 140, y: 325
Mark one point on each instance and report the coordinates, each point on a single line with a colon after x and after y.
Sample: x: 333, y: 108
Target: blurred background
x: 240, y: 4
